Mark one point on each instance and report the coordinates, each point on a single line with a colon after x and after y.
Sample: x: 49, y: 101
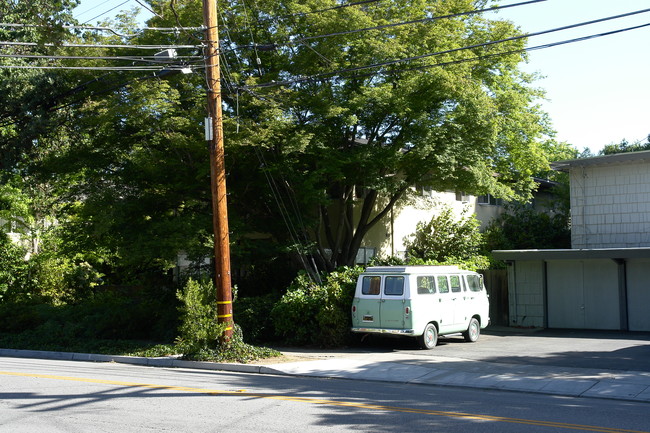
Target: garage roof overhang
x: 617, y: 158
x: 601, y: 253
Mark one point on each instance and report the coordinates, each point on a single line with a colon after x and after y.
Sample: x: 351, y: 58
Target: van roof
x: 421, y: 269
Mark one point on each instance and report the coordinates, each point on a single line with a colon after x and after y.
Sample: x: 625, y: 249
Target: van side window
x: 455, y: 283
x: 443, y: 284
x: 426, y: 285
x: 394, y: 286
x: 370, y: 285
x: 474, y: 282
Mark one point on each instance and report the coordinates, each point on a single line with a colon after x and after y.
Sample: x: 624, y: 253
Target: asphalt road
x: 608, y: 350
x: 63, y: 396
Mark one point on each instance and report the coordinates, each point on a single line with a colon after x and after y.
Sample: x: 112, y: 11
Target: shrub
x: 253, y: 315
x: 445, y: 237
x: 475, y: 263
x: 524, y: 228
x: 107, y: 318
x: 14, y: 271
x: 310, y: 313
x: 199, y: 329
x: 200, y: 333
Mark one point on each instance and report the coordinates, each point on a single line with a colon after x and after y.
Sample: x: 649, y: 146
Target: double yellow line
x: 308, y: 400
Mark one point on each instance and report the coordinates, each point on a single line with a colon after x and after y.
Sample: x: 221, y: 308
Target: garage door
x: 583, y: 295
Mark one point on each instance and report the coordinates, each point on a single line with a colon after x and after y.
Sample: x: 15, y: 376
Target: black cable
x: 104, y: 13
x: 422, y: 20
x: 296, y: 40
x: 392, y: 62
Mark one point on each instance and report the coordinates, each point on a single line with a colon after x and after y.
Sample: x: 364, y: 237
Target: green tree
x: 350, y: 141
x: 625, y: 146
x: 445, y: 237
x: 334, y: 145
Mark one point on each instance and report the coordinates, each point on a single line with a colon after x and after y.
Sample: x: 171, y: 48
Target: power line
x: 104, y: 13
x: 139, y: 47
x: 147, y: 59
x: 328, y: 75
x: 148, y: 8
x: 527, y: 35
x: 359, y: 3
x: 93, y: 8
x: 419, y: 21
x: 102, y: 28
x: 88, y: 68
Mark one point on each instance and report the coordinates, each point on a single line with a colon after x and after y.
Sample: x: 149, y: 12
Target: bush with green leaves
x: 522, y: 227
x: 475, y: 263
x: 253, y: 315
x: 109, y: 316
x: 319, y: 314
x: 444, y: 237
x: 200, y: 333
x: 14, y: 271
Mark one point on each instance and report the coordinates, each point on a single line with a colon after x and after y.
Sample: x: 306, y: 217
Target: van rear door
x: 393, y: 302
x: 368, y: 302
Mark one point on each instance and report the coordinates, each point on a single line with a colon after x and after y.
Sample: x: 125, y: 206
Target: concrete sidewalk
x: 411, y: 369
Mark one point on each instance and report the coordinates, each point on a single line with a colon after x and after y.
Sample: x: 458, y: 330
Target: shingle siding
x: 610, y: 206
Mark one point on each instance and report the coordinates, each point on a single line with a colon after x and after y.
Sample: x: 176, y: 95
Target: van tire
x: 429, y: 337
x: 473, y: 331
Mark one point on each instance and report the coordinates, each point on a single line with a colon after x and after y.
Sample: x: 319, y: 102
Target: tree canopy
x: 625, y: 146
x: 333, y: 112
x: 340, y: 111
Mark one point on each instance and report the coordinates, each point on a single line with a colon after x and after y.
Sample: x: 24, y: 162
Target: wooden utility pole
x: 214, y: 132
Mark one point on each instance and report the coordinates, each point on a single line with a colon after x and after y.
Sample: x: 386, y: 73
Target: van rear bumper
x: 384, y: 331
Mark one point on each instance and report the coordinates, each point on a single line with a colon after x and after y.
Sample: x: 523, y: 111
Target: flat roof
x: 571, y: 254
x: 617, y: 158
x: 413, y: 269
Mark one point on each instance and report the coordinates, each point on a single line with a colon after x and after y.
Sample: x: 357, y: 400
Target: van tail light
x: 407, y: 310
x: 354, y: 308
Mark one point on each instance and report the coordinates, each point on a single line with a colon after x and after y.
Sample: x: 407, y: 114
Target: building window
x: 462, y: 196
x: 489, y: 199
x: 364, y: 255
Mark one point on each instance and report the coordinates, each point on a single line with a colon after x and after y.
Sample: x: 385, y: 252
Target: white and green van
x: 421, y: 302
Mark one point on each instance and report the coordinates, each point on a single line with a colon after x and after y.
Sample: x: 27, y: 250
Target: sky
x: 597, y: 91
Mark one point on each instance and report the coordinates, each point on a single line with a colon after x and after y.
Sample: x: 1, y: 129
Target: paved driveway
x: 566, y: 348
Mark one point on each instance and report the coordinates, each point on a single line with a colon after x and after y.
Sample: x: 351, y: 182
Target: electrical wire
x: 147, y: 59
x: 419, y: 21
x: 346, y: 5
x: 104, y: 13
x: 93, y: 8
x: 527, y: 35
x: 148, y: 8
x: 258, y: 63
x: 88, y: 68
x: 299, y: 40
x: 102, y: 28
x: 138, y: 47
x: 329, y: 75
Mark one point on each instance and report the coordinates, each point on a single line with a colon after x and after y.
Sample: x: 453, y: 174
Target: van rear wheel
x: 429, y: 337
x: 473, y: 331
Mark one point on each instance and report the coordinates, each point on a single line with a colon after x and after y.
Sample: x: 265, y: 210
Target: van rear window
x: 394, y: 286
x: 370, y: 285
